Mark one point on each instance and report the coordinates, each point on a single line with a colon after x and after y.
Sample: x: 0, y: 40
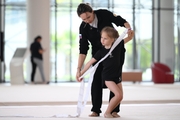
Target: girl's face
x: 87, y: 17
x: 106, y: 40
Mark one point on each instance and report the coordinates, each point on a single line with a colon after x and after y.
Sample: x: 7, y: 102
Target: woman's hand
x: 78, y: 75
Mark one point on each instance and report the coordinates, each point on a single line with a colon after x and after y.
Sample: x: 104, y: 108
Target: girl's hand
x: 130, y: 34
x: 80, y: 79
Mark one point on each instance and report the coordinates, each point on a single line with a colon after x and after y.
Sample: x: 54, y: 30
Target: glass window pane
x: 65, y: 30
x: 15, y: 30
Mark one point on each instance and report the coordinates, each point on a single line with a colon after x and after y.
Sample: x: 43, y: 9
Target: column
x: 163, y: 30
x: 2, y: 63
x: 178, y: 30
x: 38, y: 23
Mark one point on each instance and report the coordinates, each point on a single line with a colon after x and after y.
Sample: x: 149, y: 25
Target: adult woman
x: 93, y: 21
x: 37, y: 58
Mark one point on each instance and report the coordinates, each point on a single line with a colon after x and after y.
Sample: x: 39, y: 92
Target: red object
x: 161, y: 73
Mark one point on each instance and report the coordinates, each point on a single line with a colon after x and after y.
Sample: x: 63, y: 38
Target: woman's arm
x: 81, y: 60
x: 41, y: 51
x: 127, y: 25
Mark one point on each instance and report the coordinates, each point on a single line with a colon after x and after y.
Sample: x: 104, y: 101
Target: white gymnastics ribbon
x: 82, y: 100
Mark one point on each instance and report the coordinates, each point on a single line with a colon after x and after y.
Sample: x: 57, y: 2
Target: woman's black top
x: 34, y: 48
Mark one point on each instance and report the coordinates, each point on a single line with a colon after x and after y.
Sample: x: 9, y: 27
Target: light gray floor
x: 128, y: 112
x: 141, y: 102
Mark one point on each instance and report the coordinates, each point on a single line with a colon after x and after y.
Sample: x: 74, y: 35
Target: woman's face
x: 39, y: 40
x: 87, y: 17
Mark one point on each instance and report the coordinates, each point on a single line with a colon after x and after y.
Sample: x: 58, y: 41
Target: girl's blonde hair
x: 111, y: 32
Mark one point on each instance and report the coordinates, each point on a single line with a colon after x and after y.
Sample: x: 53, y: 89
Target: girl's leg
x: 114, y: 113
x: 121, y: 92
x: 118, y: 92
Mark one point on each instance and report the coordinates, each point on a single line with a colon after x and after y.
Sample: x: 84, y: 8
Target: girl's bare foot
x: 114, y: 114
x: 108, y: 116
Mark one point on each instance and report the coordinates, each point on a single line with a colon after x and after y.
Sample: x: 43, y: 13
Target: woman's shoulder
x: 103, y: 13
x: 100, y: 11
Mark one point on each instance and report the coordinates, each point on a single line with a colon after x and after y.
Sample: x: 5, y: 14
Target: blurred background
x: 64, y: 35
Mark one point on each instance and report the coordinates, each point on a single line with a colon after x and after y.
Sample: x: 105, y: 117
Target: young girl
x: 111, y: 66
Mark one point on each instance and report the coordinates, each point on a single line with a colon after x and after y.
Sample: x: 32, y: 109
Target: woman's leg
x: 118, y: 95
x: 33, y: 69
x: 96, y: 92
x: 40, y: 66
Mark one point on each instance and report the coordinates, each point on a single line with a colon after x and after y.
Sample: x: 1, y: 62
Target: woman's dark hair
x: 83, y: 7
x: 36, y: 38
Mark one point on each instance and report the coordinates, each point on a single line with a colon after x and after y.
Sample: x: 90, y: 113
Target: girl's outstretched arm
x: 129, y: 37
x: 87, y: 66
